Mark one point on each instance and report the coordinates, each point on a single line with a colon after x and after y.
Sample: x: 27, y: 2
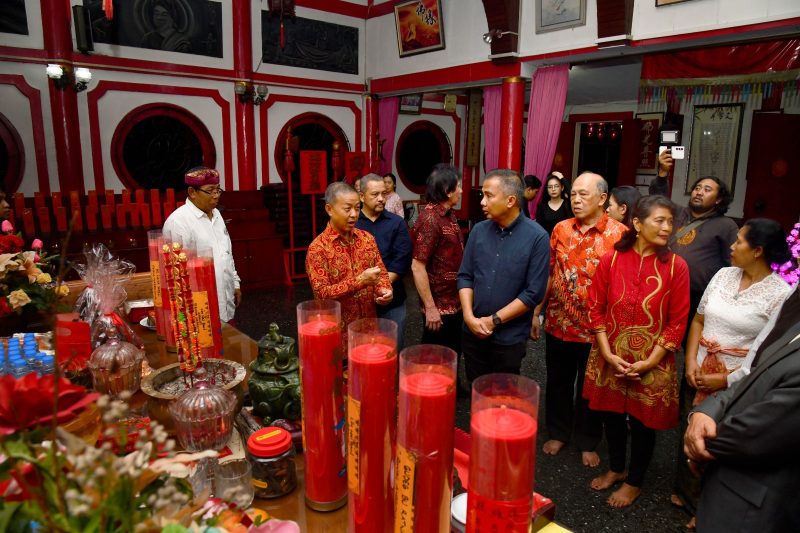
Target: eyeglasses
x: 212, y: 192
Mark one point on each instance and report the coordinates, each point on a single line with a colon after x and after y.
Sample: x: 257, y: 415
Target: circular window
x: 421, y: 146
x: 12, y: 157
x: 156, y: 144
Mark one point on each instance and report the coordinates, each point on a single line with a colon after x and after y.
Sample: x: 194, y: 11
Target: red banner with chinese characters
x: 313, y: 171
x: 355, y: 166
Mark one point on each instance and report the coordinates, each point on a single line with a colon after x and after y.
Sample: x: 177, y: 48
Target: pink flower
x: 6, y: 227
x: 37, y: 244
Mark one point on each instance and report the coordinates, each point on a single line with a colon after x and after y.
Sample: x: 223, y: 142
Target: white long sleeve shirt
x: 192, y: 227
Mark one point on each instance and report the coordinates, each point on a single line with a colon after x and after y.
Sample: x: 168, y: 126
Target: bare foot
x: 607, y: 480
x: 552, y: 447
x: 692, y: 524
x: 676, y: 500
x: 624, y: 496
x: 590, y: 459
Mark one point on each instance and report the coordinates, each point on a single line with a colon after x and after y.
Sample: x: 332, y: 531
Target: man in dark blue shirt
x: 503, y: 276
x: 394, y: 243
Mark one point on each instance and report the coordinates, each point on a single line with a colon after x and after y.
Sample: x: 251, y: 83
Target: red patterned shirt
x: 333, y: 263
x: 439, y: 244
x: 574, y: 256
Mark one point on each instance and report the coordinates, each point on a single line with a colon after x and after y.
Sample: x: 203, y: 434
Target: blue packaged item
x: 18, y: 368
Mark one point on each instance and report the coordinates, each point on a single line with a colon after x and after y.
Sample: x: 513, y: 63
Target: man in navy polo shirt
x: 394, y: 243
x: 503, y: 276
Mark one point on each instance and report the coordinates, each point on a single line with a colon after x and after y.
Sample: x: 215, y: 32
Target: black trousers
x: 484, y: 356
x: 643, y: 441
x: 448, y: 335
x: 566, y: 411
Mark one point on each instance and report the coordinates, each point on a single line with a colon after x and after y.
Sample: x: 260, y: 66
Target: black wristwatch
x: 496, y: 320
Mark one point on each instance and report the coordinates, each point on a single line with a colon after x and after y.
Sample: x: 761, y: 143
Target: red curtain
x: 724, y: 60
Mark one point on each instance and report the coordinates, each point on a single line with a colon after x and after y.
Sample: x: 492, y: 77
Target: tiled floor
x: 561, y: 478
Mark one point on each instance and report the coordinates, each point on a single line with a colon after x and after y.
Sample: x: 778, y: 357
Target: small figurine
x: 275, y: 379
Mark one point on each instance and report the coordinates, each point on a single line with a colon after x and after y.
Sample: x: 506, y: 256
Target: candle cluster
x: 182, y: 307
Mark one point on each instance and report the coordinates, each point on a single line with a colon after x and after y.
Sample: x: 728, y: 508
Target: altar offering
x: 319, y: 333
x: 371, y: 406
x: 502, y: 459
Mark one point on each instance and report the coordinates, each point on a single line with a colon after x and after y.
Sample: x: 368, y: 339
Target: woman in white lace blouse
x: 735, y: 307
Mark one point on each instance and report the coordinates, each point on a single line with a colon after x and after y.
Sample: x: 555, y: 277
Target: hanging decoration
x: 108, y: 9
x: 183, y: 308
x: 282, y: 8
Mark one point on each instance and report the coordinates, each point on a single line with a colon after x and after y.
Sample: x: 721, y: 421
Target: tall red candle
x: 154, y: 242
x: 426, y: 418
x: 503, y: 455
x: 320, y: 343
x: 371, y: 407
x: 204, y: 292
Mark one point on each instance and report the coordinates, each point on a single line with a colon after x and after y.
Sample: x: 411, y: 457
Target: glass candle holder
x: 372, y: 383
x: 203, y: 417
x: 319, y: 334
x: 425, y: 423
x: 204, y: 296
x: 502, y: 460
x: 233, y: 483
x: 155, y: 240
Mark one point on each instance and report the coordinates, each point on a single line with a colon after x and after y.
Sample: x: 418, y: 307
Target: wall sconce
x: 247, y: 92
x: 491, y: 35
x: 63, y: 77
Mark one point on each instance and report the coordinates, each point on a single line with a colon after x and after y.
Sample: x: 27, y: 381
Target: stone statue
x: 275, y: 379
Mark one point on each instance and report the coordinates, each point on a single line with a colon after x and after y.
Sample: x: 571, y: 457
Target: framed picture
x: 419, y: 26
x: 714, y: 151
x: 650, y: 124
x: 411, y: 104
x: 559, y: 14
x: 660, y: 3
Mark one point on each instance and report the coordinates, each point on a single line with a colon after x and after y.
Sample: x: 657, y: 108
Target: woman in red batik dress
x: 639, y: 303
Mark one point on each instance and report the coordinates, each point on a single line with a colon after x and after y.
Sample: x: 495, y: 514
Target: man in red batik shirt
x: 343, y: 263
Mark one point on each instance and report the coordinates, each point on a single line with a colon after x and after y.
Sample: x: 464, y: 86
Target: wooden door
x: 773, y: 169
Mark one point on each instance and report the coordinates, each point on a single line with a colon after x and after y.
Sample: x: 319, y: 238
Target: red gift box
x: 73, y: 341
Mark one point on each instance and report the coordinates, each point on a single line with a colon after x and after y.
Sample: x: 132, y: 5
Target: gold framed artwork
x: 419, y: 26
x: 714, y: 151
x: 554, y: 15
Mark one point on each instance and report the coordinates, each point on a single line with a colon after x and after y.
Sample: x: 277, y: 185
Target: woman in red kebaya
x: 639, y: 303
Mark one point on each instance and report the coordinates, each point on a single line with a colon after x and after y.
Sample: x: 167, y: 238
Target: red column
x: 371, y: 119
x: 56, y: 19
x: 245, y: 111
x: 510, y: 155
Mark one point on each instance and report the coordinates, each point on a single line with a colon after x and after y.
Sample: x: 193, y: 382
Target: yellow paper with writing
x: 155, y: 279
x: 203, y: 317
x: 353, y: 444
x: 405, y: 470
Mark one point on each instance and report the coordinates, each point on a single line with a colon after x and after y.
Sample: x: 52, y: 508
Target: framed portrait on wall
x: 660, y: 3
x: 419, y: 26
x: 554, y: 15
x: 649, y: 125
x: 714, y: 151
x: 411, y: 104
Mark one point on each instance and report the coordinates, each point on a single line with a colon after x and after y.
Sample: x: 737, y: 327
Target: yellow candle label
x: 353, y: 444
x: 405, y: 469
x: 203, y: 317
x: 155, y: 279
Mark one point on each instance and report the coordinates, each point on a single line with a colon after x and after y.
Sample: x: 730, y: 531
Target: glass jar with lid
x: 271, y: 453
x: 203, y: 417
x: 116, y: 366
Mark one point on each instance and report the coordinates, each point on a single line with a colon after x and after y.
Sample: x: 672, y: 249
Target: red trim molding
x: 306, y: 101
x: 105, y: 86
x: 151, y: 110
x: 15, y: 151
x: 473, y: 72
x: 335, y: 6
x: 735, y: 30
x: 306, y: 83
x: 37, y: 125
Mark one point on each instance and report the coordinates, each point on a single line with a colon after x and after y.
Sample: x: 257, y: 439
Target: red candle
x: 371, y: 405
x: 154, y: 242
x: 501, y: 470
x: 320, y: 345
x: 204, y: 294
x: 427, y: 404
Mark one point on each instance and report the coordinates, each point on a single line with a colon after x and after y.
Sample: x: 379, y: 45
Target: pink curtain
x: 387, y: 125
x: 492, y: 100
x: 545, y: 112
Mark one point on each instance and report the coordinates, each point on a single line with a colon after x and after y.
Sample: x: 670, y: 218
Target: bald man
x: 576, y: 246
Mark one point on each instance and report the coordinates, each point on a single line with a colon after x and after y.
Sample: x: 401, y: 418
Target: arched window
x: 12, y: 157
x: 422, y: 145
x: 155, y: 144
x: 310, y: 131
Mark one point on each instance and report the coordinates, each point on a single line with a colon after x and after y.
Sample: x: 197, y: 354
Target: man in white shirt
x: 198, y: 225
